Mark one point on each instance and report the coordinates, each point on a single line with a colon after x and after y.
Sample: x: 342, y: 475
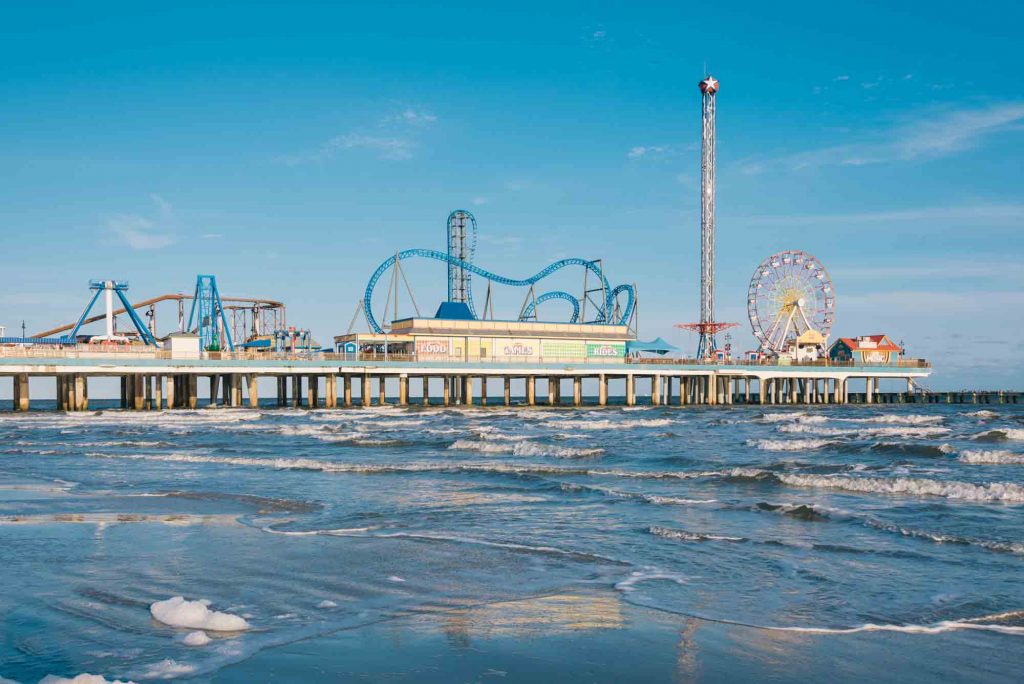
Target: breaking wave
x: 995, y: 457
x: 1000, y: 434
x: 789, y: 444
x: 915, y: 486
x: 526, y: 448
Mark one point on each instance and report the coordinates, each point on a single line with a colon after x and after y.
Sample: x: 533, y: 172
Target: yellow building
x: 437, y: 339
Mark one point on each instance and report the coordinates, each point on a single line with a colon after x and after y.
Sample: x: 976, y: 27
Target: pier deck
x: 158, y: 380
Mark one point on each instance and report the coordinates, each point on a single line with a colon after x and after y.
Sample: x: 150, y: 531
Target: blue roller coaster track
x: 611, y: 295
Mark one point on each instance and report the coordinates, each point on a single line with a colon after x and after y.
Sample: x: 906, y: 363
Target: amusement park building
x: 436, y: 339
x: 867, y: 349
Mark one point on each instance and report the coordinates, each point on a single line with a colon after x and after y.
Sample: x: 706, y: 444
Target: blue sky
x: 289, y: 148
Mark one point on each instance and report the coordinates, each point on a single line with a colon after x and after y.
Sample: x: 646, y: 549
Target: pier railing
x: 121, y: 353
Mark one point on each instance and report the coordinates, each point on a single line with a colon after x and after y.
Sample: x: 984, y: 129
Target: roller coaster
x: 609, y: 310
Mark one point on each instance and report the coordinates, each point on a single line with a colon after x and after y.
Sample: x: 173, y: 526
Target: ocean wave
x: 784, y: 416
x: 862, y: 432
x: 915, y: 486
x: 526, y: 448
x: 915, y: 448
x: 896, y: 419
x: 511, y: 546
x: 994, y: 456
x: 933, y: 628
x: 942, y: 538
x: 983, y: 414
x: 788, y: 444
x: 806, y: 512
x: 683, y: 535
x: 610, y: 424
x: 1000, y: 434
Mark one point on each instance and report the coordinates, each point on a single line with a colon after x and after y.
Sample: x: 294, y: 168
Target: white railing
x: 113, y: 354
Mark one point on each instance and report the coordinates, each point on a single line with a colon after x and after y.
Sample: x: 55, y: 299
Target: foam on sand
x: 993, y: 456
x: 179, y: 612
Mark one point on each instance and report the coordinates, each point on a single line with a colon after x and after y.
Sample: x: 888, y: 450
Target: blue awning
x: 655, y: 346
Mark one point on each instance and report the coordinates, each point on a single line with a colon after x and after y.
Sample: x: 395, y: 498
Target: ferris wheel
x: 790, y: 294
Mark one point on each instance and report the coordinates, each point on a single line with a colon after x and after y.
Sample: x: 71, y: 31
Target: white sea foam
x: 168, y: 669
x: 197, y: 638
x: 788, y: 444
x: 782, y: 417
x: 610, y: 424
x: 994, y: 456
x: 864, y: 432
x: 934, y: 628
x: 525, y: 448
x: 640, y: 576
x: 326, y: 604
x: 896, y: 419
x: 984, y: 414
x: 674, y: 500
x: 915, y: 486
x: 179, y: 612
x: 84, y: 678
x: 683, y: 535
x: 395, y: 578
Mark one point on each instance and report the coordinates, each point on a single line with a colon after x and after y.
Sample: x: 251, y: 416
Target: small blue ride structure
x: 207, y: 317
x: 461, y: 248
x: 111, y: 288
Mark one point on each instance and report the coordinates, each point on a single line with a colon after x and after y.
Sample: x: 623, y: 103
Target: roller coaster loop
x: 556, y: 294
x: 501, y: 280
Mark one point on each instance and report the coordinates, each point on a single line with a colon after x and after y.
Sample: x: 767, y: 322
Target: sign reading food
x: 433, y: 347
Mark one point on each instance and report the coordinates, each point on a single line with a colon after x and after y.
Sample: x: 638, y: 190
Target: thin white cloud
x: 411, y: 116
x: 841, y: 78
x: 641, y: 151
x: 165, y: 207
x: 211, y: 236
x: 138, y: 232
x: 386, y: 147
x: 478, y: 201
x: 599, y: 35
x: 926, y: 137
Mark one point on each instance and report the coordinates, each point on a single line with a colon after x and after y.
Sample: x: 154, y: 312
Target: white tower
x: 707, y: 343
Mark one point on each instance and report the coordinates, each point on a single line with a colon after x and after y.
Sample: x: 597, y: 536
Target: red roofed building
x: 875, y: 350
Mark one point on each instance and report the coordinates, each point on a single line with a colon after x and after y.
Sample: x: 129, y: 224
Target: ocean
x: 832, y: 543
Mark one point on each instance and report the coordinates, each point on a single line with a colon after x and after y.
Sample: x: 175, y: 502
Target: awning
x: 655, y: 346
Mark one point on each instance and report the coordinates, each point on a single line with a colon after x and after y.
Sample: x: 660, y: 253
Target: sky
x: 289, y: 148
